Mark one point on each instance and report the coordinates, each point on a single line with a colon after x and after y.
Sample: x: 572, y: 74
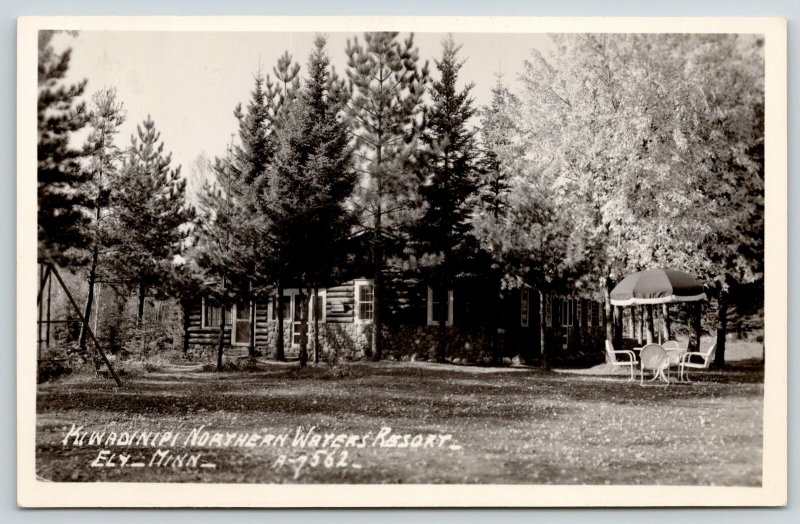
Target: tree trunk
x: 543, y: 363
x: 279, y: 352
x: 251, y: 349
x: 666, y: 322
x: 221, y: 341
x: 650, y: 330
x: 377, y: 291
x: 494, y: 313
x: 608, y: 320
x: 444, y: 306
x: 303, y: 328
x: 617, y: 327
x: 632, y: 325
x: 39, y: 318
x: 185, y: 304
x: 722, y: 329
x: 317, y: 313
x: 140, y: 311
x: 697, y: 327
x: 640, y: 335
x: 49, y: 297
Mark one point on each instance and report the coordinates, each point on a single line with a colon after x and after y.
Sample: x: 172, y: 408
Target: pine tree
x: 248, y: 162
x: 500, y: 153
x: 500, y: 148
x: 388, y: 88
x: 310, y: 180
x: 287, y: 74
x: 449, y: 183
x: 105, y: 118
x: 216, y: 245
x: 63, y: 187
x: 152, y: 215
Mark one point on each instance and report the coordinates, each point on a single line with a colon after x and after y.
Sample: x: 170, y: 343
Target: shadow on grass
x: 424, y: 391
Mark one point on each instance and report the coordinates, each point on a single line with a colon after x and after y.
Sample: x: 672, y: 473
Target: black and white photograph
x: 337, y: 254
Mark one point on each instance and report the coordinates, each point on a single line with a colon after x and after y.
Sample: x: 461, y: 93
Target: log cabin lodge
x: 476, y: 325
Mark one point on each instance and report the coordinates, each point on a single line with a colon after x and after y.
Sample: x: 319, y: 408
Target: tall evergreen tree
x: 248, y: 164
x: 105, y: 118
x: 63, y: 187
x: 216, y: 245
x: 152, y: 215
x: 500, y: 152
x: 449, y: 183
x: 310, y: 181
x: 388, y: 87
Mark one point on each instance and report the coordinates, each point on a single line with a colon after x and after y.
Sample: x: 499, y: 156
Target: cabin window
x: 435, y: 300
x: 212, y: 314
x: 242, y: 328
x: 578, y: 312
x: 567, y: 312
x: 365, y: 301
x: 287, y: 307
x: 524, y: 307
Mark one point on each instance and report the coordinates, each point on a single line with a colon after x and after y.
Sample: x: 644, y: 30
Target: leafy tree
x: 151, y: 215
x: 646, y: 148
x: 449, y: 182
x: 310, y: 181
x: 387, y: 100
x: 105, y: 117
x: 63, y: 187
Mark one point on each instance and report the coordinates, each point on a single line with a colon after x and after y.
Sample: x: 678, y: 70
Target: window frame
x: 233, y: 315
x: 204, y: 318
x: 567, y: 319
x: 449, y: 321
x: 357, y: 285
x: 524, y: 307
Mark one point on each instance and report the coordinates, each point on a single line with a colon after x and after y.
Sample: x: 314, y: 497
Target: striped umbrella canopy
x: 657, y: 286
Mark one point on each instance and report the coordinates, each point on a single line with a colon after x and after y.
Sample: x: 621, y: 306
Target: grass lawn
x: 505, y: 425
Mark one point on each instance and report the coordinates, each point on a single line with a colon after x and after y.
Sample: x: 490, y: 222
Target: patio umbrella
x: 657, y: 286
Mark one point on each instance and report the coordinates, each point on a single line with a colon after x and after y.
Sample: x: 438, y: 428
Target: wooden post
x: 89, y: 332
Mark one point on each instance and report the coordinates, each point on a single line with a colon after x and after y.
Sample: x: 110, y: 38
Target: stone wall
x: 354, y: 341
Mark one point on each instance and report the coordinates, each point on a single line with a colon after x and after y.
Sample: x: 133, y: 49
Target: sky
x: 190, y: 82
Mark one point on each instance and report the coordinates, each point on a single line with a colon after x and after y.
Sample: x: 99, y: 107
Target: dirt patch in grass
x: 505, y: 425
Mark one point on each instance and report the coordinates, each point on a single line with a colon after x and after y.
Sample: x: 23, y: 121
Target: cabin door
x: 242, y: 327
